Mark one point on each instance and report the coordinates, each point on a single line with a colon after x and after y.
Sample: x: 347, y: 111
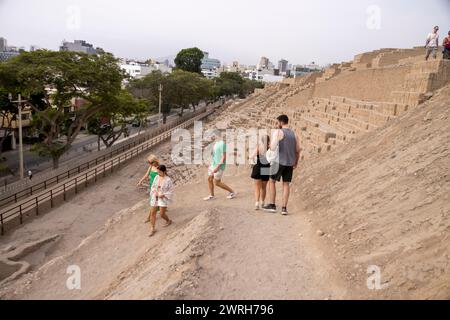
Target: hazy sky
x: 298, y: 30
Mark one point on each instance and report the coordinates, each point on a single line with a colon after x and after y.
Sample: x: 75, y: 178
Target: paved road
x: 83, y: 144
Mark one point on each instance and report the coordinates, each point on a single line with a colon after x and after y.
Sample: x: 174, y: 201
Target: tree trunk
x: 55, y: 163
x: 98, y: 143
x: 164, y: 118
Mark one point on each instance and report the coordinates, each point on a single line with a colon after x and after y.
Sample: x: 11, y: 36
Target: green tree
x: 249, y: 86
x: 111, y: 124
x: 53, y: 80
x: 187, y: 89
x: 232, y: 83
x: 229, y: 83
x: 8, y: 114
x: 190, y: 60
x: 148, y: 88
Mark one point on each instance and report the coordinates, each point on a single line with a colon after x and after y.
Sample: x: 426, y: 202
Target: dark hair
x: 283, y: 119
x: 162, y: 168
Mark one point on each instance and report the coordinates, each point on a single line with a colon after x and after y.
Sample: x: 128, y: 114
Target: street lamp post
x: 160, y: 103
x: 19, y: 107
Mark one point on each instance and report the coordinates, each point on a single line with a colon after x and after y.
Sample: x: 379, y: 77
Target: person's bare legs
x: 153, y: 220
x: 163, y: 213
x: 149, y: 215
x: 286, y: 193
x: 223, y: 186
x: 258, y: 186
x: 263, y: 191
x: 272, y: 192
x: 211, y: 185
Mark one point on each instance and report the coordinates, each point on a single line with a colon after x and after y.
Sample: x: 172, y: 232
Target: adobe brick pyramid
x: 348, y: 99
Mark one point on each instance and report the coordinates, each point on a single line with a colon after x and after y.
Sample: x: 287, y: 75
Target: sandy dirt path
x: 222, y: 249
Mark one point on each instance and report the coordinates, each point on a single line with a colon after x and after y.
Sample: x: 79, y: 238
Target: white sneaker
x: 257, y: 206
x: 231, y: 196
x: 209, y: 198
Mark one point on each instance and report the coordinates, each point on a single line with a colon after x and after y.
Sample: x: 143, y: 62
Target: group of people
x: 274, y: 159
x: 432, y: 45
x: 161, y: 191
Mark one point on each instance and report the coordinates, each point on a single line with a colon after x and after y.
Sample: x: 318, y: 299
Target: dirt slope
x: 385, y: 200
x: 381, y: 200
x: 221, y: 249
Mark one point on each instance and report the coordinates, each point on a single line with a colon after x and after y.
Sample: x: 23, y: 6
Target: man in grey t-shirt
x: 432, y: 43
x: 288, y: 156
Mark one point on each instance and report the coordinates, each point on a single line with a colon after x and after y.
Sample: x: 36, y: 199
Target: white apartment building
x: 263, y: 75
x: 137, y: 70
x: 132, y: 68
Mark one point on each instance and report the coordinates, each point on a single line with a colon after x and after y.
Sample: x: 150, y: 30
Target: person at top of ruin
x: 286, y: 143
x: 160, y: 197
x: 446, y: 45
x: 432, y: 43
x: 217, y: 167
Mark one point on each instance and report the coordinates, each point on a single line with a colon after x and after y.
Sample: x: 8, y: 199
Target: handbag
x: 272, y: 156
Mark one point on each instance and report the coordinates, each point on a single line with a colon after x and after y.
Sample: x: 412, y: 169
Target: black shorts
x: 285, y: 172
x: 258, y: 172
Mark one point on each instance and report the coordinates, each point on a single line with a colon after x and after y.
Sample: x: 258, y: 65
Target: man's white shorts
x: 217, y: 176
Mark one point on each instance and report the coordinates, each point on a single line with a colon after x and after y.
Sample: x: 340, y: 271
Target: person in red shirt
x: 446, y: 45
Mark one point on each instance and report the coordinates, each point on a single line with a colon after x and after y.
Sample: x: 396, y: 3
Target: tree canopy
x: 52, y: 82
x: 190, y: 60
x: 182, y: 89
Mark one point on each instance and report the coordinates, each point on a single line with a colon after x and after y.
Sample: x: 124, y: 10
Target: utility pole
x: 160, y: 104
x: 19, y: 106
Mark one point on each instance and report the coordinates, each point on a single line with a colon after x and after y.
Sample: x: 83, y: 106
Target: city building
x: 7, y: 52
x: 283, y: 66
x: 10, y: 124
x: 210, y: 63
x: 300, y: 70
x: 132, y: 68
x: 78, y: 46
x: 210, y: 66
x: 3, y: 44
x: 211, y: 74
x: 157, y: 66
x: 263, y: 75
x: 237, y: 67
x: 6, y: 55
x: 264, y: 63
x: 136, y: 69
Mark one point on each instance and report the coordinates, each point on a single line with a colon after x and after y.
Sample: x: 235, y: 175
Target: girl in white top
x: 160, y: 197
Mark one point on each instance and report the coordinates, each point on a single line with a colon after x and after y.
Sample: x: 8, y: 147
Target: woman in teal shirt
x: 151, y: 174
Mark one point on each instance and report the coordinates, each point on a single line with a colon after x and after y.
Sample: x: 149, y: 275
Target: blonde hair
x: 152, y: 159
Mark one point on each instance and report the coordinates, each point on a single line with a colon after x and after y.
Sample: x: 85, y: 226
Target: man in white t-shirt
x: 432, y: 43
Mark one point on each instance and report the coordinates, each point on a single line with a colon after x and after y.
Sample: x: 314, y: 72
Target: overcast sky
x: 301, y: 31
